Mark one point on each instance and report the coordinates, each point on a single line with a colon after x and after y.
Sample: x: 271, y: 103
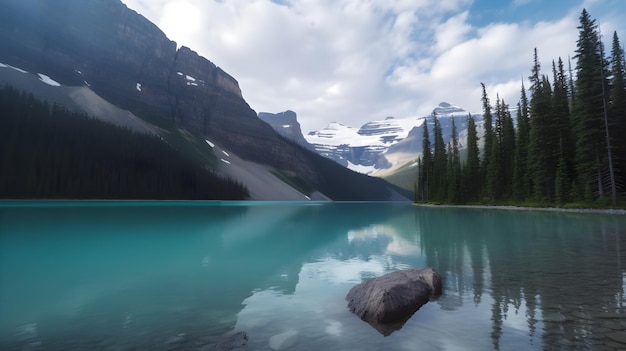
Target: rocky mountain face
x: 127, y: 60
x: 124, y: 58
x: 99, y: 43
x: 286, y: 124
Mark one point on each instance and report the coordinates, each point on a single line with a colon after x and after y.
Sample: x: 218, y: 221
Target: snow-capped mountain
x: 361, y: 149
x: 445, y: 109
x: 381, y: 144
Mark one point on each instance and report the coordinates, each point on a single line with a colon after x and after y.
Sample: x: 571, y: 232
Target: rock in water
x: 387, y: 302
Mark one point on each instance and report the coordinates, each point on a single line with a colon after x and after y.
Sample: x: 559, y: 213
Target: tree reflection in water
x: 563, y: 271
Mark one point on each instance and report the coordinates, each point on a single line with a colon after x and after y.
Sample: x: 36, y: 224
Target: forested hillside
x: 49, y: 152
x: 567, y: 144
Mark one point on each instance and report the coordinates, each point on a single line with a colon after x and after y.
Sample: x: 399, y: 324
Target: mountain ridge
x: 375, y: 145
x: 387, y: 148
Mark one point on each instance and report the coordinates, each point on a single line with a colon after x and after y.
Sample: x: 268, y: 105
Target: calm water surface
x: 178, y: 275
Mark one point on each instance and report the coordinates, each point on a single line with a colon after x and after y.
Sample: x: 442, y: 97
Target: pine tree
x: 617, y: 107
x: 488, y: 140
x: 440, y: 163
x: 507, y: 150
x: 454, y: 167
x: 416, y: 185
x: 566, y: 146
x: 494, y: 186
x: 540, y: 150
x: 425, y: 171
x: 591, y: 142
x: 472, y: 182
x: 521, y: 182
x: 572, y: 87
x: 450, y: 181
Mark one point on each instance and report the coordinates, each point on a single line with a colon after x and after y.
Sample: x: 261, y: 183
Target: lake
x: 179, y: 275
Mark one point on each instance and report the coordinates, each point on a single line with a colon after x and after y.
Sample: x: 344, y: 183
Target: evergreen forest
x: 566, y: 146
x: 49, y: 152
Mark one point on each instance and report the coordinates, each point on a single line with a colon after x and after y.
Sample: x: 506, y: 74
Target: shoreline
x: 613, y: 211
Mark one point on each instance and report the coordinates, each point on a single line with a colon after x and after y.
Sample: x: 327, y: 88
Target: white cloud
x: 173, y: 12
x: 355, y: 61
x: 452, y: 32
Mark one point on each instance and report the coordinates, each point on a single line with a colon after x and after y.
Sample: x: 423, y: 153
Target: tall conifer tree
x: 617, y: 107
x: 440, y: 163
x: 494, y: 178
x: 591, y: 143
x: 563, y: 129
x: 472, y: 180
x: 488, y: 140
x: 521, y: 182
x: 425, y: 172
x: 540, y: 150
x: 454, y: 167
x: 508, y: 152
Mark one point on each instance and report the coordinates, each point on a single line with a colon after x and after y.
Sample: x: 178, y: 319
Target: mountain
x: 361, y: 149
x: 380, y: 146
x: 410, y: 147
x: 286, y: 124
x: 384, y: 148
x: 110, y: 53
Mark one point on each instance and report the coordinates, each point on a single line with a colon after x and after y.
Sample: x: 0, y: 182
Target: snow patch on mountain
x: 361, y: 169
x: 4, y: 65
x: 334, y: 134
x: 44, y: 78
x: 375, y: 133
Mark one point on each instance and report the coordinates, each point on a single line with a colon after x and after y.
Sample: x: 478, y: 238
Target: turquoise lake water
x: 179, y: 275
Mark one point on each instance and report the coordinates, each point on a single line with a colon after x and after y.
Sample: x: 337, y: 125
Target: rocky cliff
x: 99, y: 43
x: 286, y: 124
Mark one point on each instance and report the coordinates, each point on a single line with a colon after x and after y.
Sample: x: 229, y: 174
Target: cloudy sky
x: 354, y: 61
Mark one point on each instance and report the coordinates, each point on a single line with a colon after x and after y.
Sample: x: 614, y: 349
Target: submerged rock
x: 387, y: 302
x: 236, y: 341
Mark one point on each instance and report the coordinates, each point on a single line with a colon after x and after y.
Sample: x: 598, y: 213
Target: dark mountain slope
x: 49, y: 152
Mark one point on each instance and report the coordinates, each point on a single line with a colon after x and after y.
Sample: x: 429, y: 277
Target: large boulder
x: 387, y: 302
